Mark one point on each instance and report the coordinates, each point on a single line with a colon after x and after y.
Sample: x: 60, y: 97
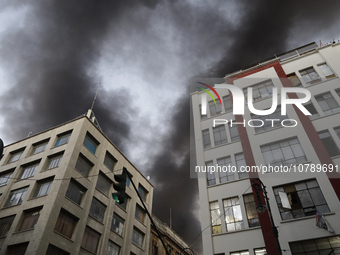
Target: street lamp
x: 261, y: 208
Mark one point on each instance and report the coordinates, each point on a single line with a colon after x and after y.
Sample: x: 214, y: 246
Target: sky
x: 141, y: 55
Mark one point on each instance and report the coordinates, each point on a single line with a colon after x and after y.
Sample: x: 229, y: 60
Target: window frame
x: 85, y: 162
x: 113, y: 248
x: 6, y: 224
x: 229, y: 205
x: 225, y: 176
x: 140, y: 213
x: 63, y: 138
x: 215, y: 217
x: 78, y: 187
x: 308, y: 78
x: 53, y: 161
x: 91, y: 143
x: 37, y: 189
x: 326, y: 102
x: 42, y: 144
x: 89, y: 232
x: 30, y: 219
x: 205, y: 138
x: 112, y: 159
x: 68, y: 219
x: 220, y: 135
x: 267, y: 84
x: 23, y: 191
x: 97, y: 205
x: 144, y: 193
x: 251, y: 213
x: 140, y: 234
x: 29, y: 170
x: 332, y: 148
x: 13, y: 154
x: 117, y: 228
x: 7, y: 176
x: 103, y: 179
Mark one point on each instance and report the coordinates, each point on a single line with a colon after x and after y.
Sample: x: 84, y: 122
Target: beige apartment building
x: 56, y: 198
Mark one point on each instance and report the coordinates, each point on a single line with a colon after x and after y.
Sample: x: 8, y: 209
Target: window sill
x: 137, y: 246
x: 23, y: 231
x: 305, y: 218
x: 63, y: 236
x: 56, y: 146
x: 318, y: 82
x: 236, y: 231
x: 120, y: 235
x: 85, y: 177
x: 102, y: 192
x: 218, y: 146
x: 32, y: 198
x: 218, y: 184
x: 24, y: 179
x: 325, y: 116
x: 141, y: 221
x: 10, y: 206
x: 96, y: 219
x: 73, y: 202
x: 124, y: 210
x: 88, y: 250
x: 45, y: 170
x: 89, y: 151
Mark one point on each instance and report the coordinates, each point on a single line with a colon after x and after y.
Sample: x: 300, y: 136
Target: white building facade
x: 229, y: 221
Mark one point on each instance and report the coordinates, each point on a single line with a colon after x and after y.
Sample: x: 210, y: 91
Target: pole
x: 153, y: 223
x: 170, y: 219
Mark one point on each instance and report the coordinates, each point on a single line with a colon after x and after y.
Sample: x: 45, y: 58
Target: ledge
x: 305, y: 218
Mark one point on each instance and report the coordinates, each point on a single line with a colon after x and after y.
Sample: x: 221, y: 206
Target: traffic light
x: 120, y: 187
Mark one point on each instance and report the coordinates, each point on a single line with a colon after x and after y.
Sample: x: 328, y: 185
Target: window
x: 329, y: 143
x: 53, y: 161
x: 206, y: 139
x: 90, y: 239
x: 5, y: 225
x: 294, y: 80
x: 310, y: 76
x: 240, y: 253
x: 337, y: 131
x: 142, y: 192
x: 220, y: 135
x: 260, y: 91
x: 327, y: 72
x: 215, y: 215
x: 327, y: 103
x: 140, y: 213
x: 28, y: 171
x: 103, y: 184
x: 15, y: 155
x: 112, y: 249
x: 241, y: 162
x: 225, y: 163
x: 300, y: 199
x: 269, y: 124
x: 16, y: 197
x: 110, y: 161
x: 97, y: 209
x: 117, y: 224
x: 233, y: 132
x: 75, y: 192
x: 137, y: 237
x: 326, y: 245
x: 43, y: 187
x: 30, y: 219
x: 210, y: 175
x: 39, y: 147
x: 310, y: 107
x: 62, y: 139
x: 249, y: 203
x: 90, y: 143
x: 286, y: 152
x: 338, y: 92
x: 17, y: 249
x: 215, y: 108
x: 202, y: 116
x: 83, y: 165
x: 228, y: 105
x: 261, y: 251
x: 53, y: 250
x: 66, y: 223
x: 233, y: 214
x: 128, y: 181
x: 5, y: 177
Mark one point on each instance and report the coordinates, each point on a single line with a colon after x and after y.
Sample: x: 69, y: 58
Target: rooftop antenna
x: 170, y: 219
x: 95, y: 97
x: 90, y: 113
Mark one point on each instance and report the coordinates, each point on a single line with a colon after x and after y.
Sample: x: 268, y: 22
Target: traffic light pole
x: 153, y: 223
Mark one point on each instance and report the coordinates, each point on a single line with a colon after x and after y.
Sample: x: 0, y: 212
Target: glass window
x: 16, y: 197
x: 83, y: 165
x: 30, y: 219
x: 210, y: 175
x: 110, y: 161
x: 53, y: 250
x: 253, y: 217
x: 215, y: 108
x: 90, y: 143
x: 15, y: 155
x: 112, y: 249
x: 338, y: 92
x: 5, y: 225
x: 300, y: 199
x: 228, y: 106
x: 66, y: 223
x: 97, y: 209
x: 206, y: 139
x: 75, y: 192
x: 329, y: 143
x: 39, y: 147
x: 240, y: 253
x: 310, y: 107
x: 43, y: 187
x: 233, y: 214
x: 5, y: 177
x: 103, y: 184
x: 233, y: 130
x: 260, y: 91
x: 261, y: 251
x: 142, y: 192
x: 327, y: 72
x: 215, y: 215
x: 90, y: 239
x: 128, y: 181
x: 17, y: 249
x: 137, y: 237
x: 53, y: 161
x: 140, y: 213
x: 327, y: 103
x: 28, y: 171
x: 220, y: 135
x: 241, y: 162
x: 117, y: 224
x: 337, y: 131
x: 225, y: 175
x: 285, y: 152
x: 325, y: 245
x: 269, y: 124
x: 310, y: 76
x: 202, y: 116
x: 63, y: 139
x: 294, y: 80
